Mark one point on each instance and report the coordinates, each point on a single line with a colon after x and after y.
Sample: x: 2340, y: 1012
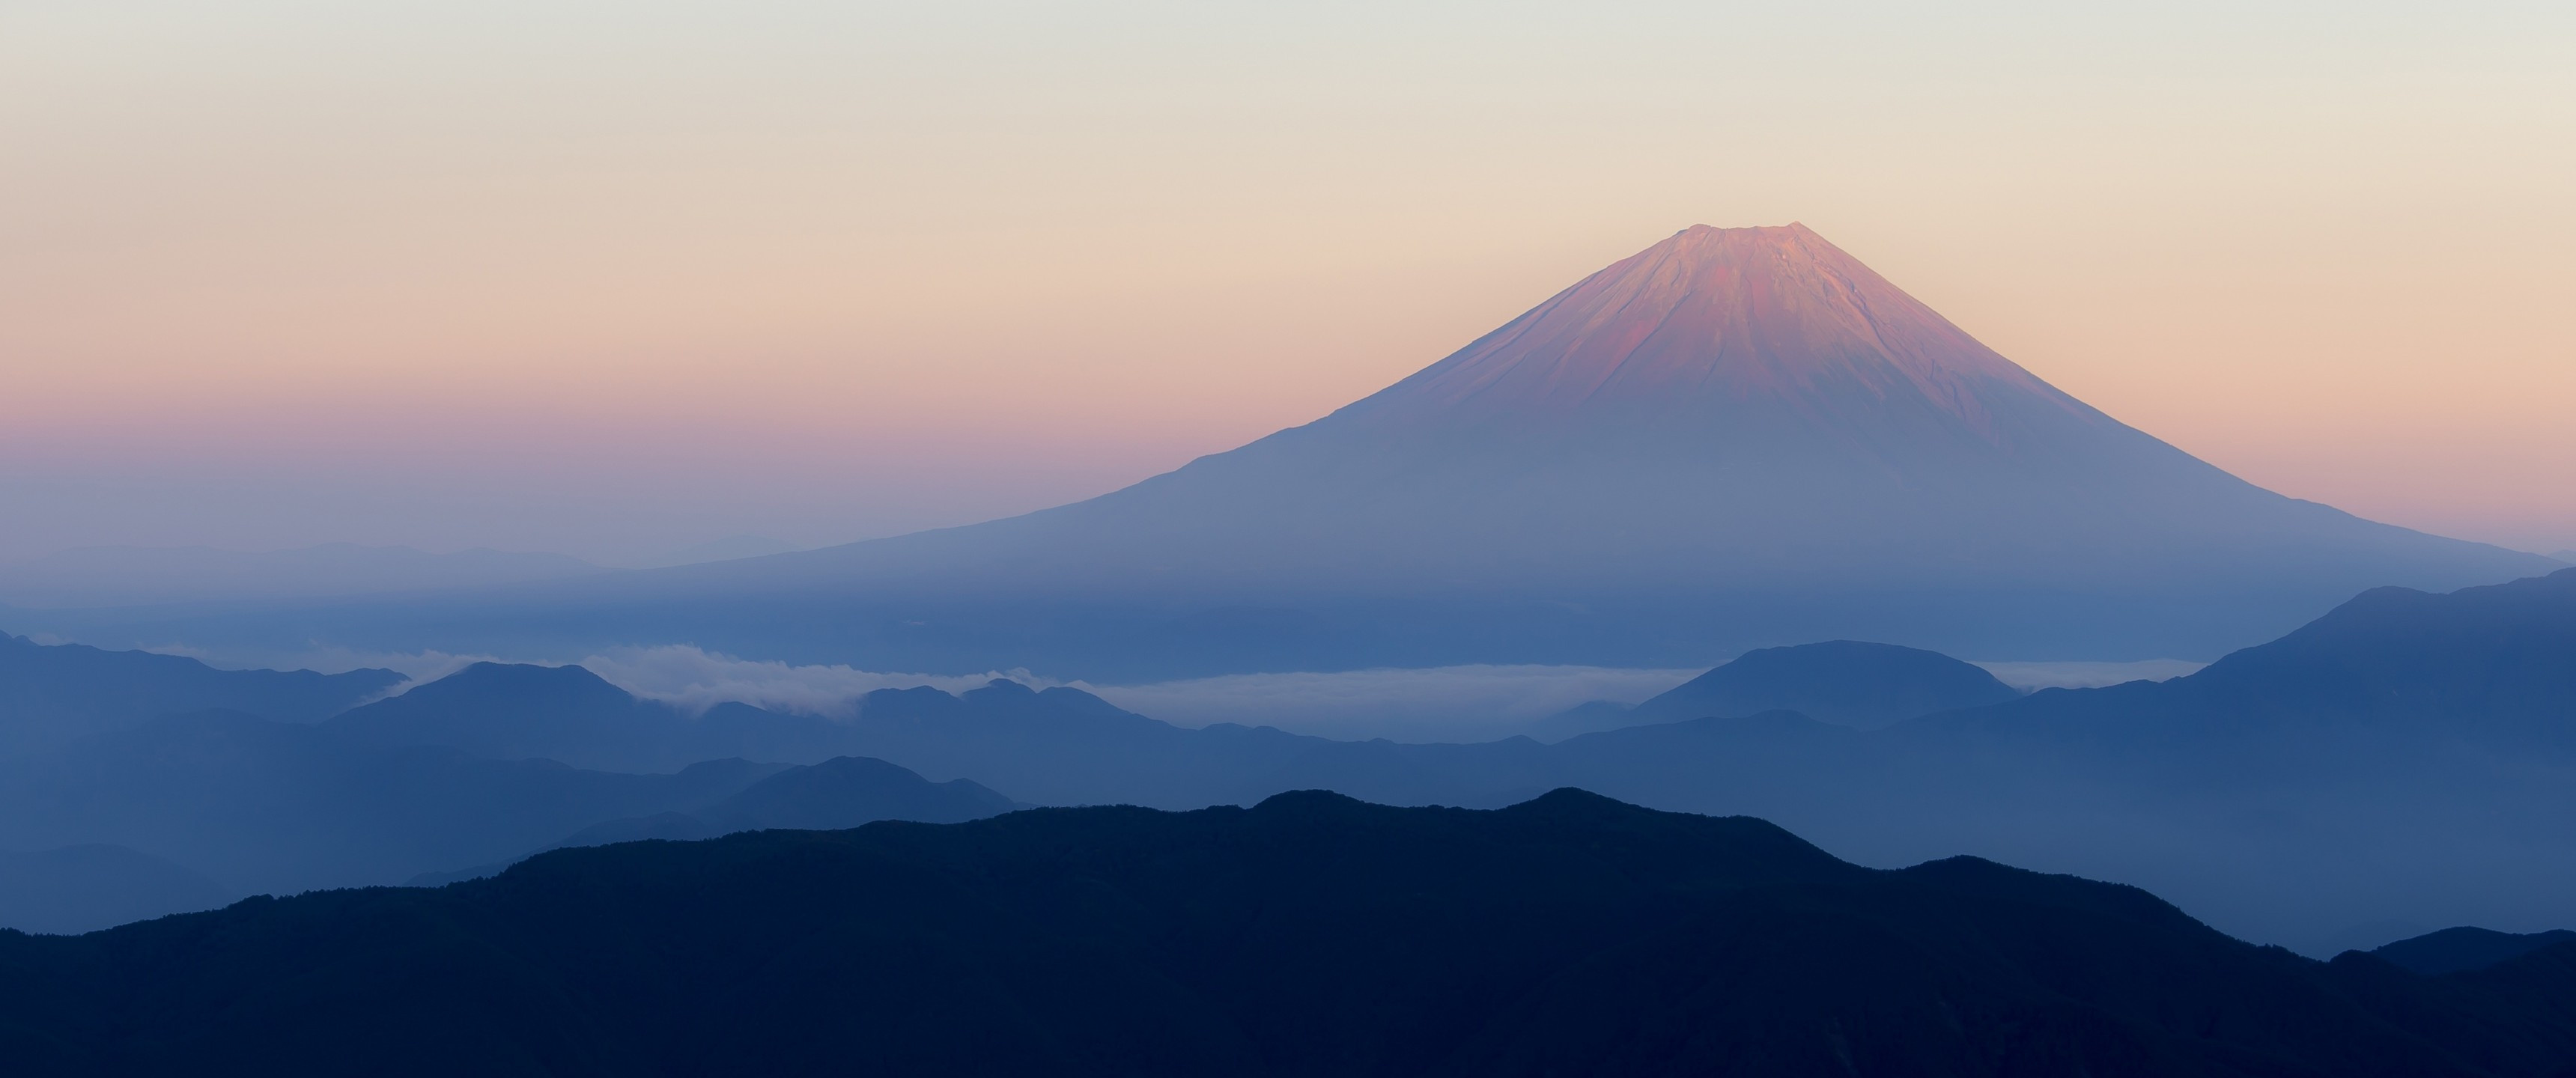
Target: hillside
x: 1309, y: 935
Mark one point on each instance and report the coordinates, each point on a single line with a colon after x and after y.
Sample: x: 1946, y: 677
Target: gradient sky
x: 612, y: 279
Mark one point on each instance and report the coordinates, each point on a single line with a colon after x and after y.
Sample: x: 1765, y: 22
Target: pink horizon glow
x: 482, y: 275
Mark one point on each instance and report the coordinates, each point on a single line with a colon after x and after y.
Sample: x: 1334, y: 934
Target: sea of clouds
x: 1449, y: 703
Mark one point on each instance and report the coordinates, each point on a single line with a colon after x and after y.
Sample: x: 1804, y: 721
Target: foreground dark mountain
x: 1310, y: 935
x: 50, y: 695
x: 1736, y: 438
x: 1844, y: 682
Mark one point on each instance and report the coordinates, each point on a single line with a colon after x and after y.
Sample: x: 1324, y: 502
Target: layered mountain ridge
x: 2404, y: 758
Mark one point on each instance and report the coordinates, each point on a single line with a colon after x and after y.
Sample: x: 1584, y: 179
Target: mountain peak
x: 1728, y: 326
x: 1735, y: 438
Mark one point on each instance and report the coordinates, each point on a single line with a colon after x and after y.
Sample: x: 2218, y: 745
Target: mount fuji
x: 1735, y: 438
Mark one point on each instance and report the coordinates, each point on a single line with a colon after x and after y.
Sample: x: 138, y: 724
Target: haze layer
x: 1736, y: 437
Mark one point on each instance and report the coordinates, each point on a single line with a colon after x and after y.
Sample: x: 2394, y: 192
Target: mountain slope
x: 1309, y: 935
x: 2489, y: 667
x: 1737, y: 438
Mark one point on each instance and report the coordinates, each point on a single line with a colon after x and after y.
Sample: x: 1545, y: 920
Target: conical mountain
x: 1727, y: 330
x: 1729, y: 408
x: 1735, y: 438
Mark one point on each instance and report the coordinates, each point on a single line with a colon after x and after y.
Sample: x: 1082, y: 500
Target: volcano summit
x: 1734, y: 438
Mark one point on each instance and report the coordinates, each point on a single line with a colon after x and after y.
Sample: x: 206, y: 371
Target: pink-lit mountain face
x: 1729, y: 408
x: 1712, y: 324
x: 1761, y: 376
x: 1735, y: 438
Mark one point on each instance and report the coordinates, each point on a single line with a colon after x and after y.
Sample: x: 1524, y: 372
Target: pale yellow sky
x: 613, y: 278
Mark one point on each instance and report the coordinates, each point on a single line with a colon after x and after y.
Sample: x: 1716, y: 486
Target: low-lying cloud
x: 1440, y: 704
x: 690, y: 677
x: 1449, y: 703
x: 2031, y: 677
x: 697, y: 680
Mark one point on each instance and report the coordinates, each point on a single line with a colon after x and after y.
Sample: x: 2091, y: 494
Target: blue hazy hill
x: 263, y: 806
x: 2404, y: 757
x: 51, y: 694
x: 842, y: 792
x: 1845, y: 682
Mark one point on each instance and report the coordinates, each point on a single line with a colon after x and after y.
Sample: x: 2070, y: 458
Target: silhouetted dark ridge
x: 1311, y: 934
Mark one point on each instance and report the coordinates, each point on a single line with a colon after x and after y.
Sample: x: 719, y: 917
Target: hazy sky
x: 611, y: 278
